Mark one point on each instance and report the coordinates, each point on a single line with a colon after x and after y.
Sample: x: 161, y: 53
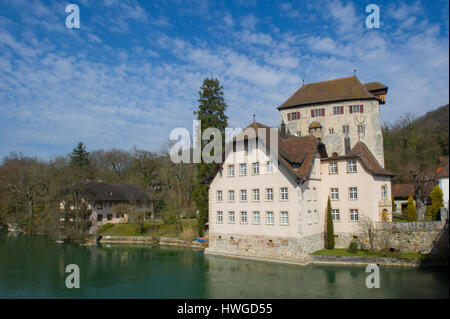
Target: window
x: 384, y: 193
x: 309, y: 217
x: 231, y: 196
x: 295, y: 115
x: 284, y: 193
x: 334, y: 194
x: 356, y: 108
x: 219, y: 196
x: 256, y: 218
x: 220, y: 172
x: 331, y: 131
x: 351, y: 166
x: 353, y: 215
x: 230, y: 170
x: 338, y: 110
x: 284, y: 218
x: 109, y: 217
x: 269, y: 216
x: 269, y: 167
x: 219, y: 217
x: 335, y: 214
x: 100, y: 206
x: 256, y: 168
x: 308, y: 194
x: 256, y: 194
x: 243, y: 217
x: 317, y: 112
x: 299, y: 133
x: 345, y: 129
x: 243, y: 169
x: 314, y: 193
x: 231, y: 217
x: 316, y: 216
x: 246, y: 146
x: 269, y: 193
x: 361, y: 129
x: 333, y: 168
x: 353, y: 192
x: 243, y: 195
x: 99, y: 217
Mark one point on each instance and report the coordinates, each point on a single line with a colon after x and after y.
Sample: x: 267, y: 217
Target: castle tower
x: 339, y: 112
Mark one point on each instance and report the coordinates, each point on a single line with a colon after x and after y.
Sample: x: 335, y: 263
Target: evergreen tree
x: 411, y: 211
x: 211, y: 113
x: 79, y: 156
x: 436, y: 202
x: 330, y: 226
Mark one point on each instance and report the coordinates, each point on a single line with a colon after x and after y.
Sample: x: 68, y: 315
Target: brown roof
x: 343, y: 89
x: 403, y: 190
x: 115, y: 192
x: 296, y: 153
x: 442, y: 172
x: 362, y: 152
x: 375, y: 86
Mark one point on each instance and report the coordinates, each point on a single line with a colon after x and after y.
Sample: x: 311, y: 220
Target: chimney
x: 347, y: 145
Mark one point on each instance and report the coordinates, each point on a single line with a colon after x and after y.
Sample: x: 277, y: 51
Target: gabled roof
x: 375, y: 86
x: 296, y: 153
x: 362, y: 152
x: 115, y: 192
x: 343, y: 89
x: 403, y: 190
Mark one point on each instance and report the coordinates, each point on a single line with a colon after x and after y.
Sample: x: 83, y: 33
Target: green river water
x: 34, y: 267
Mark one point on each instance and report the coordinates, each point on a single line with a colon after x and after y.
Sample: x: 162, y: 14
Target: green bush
x: 353, y: 247
x: 429, y: 213
x: 411, y: 211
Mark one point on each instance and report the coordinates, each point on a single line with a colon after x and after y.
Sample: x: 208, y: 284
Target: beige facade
x: 289, y: 227
x: 364, y: 127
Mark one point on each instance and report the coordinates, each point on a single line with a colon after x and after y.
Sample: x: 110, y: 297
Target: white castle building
x: 275, y: 208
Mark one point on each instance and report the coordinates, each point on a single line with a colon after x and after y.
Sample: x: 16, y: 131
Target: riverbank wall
x: 163, y: 241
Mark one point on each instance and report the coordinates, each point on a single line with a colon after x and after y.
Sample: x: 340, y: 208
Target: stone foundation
x: 404, y: 237
x: 265, y: 247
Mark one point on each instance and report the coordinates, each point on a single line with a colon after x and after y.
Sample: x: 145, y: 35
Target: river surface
x: 34, y: 267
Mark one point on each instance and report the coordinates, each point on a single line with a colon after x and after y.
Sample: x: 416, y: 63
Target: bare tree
x: 367, y: 227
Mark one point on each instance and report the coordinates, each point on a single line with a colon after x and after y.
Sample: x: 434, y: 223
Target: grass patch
x: 152, y: 229
x: 340, y: 252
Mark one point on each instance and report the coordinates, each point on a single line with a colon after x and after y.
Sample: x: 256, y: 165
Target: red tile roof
x: 343, y: 89
x: 362, y: 152
x: 442, y: 172
x: 403, y: 190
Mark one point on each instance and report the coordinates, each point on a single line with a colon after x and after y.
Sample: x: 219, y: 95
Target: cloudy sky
x: 132, y: 71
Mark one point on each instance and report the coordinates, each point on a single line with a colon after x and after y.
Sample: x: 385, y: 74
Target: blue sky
x: 132, y: 71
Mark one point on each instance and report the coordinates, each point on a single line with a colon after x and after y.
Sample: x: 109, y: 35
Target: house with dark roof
x: 102, y: 198
x: 268, y: 197
x: 340, y: 112
x: 401, y: 193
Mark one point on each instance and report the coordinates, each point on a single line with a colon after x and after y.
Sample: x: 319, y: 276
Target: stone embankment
x: 164, y: 241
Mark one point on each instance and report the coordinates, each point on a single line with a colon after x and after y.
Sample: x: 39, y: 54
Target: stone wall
x: 269, y: 247
x: 410, y: 237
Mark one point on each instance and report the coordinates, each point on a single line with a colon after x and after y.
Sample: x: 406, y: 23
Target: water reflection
x: 34, y: 267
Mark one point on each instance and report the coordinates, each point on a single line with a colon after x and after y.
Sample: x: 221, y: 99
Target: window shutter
x: 312, y: 113
x: 350, y: 109
x: 361, y: 108
x: 298, y: 115
x: 323, y: 112
x: 342, y: 109
x: 289, y: 116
